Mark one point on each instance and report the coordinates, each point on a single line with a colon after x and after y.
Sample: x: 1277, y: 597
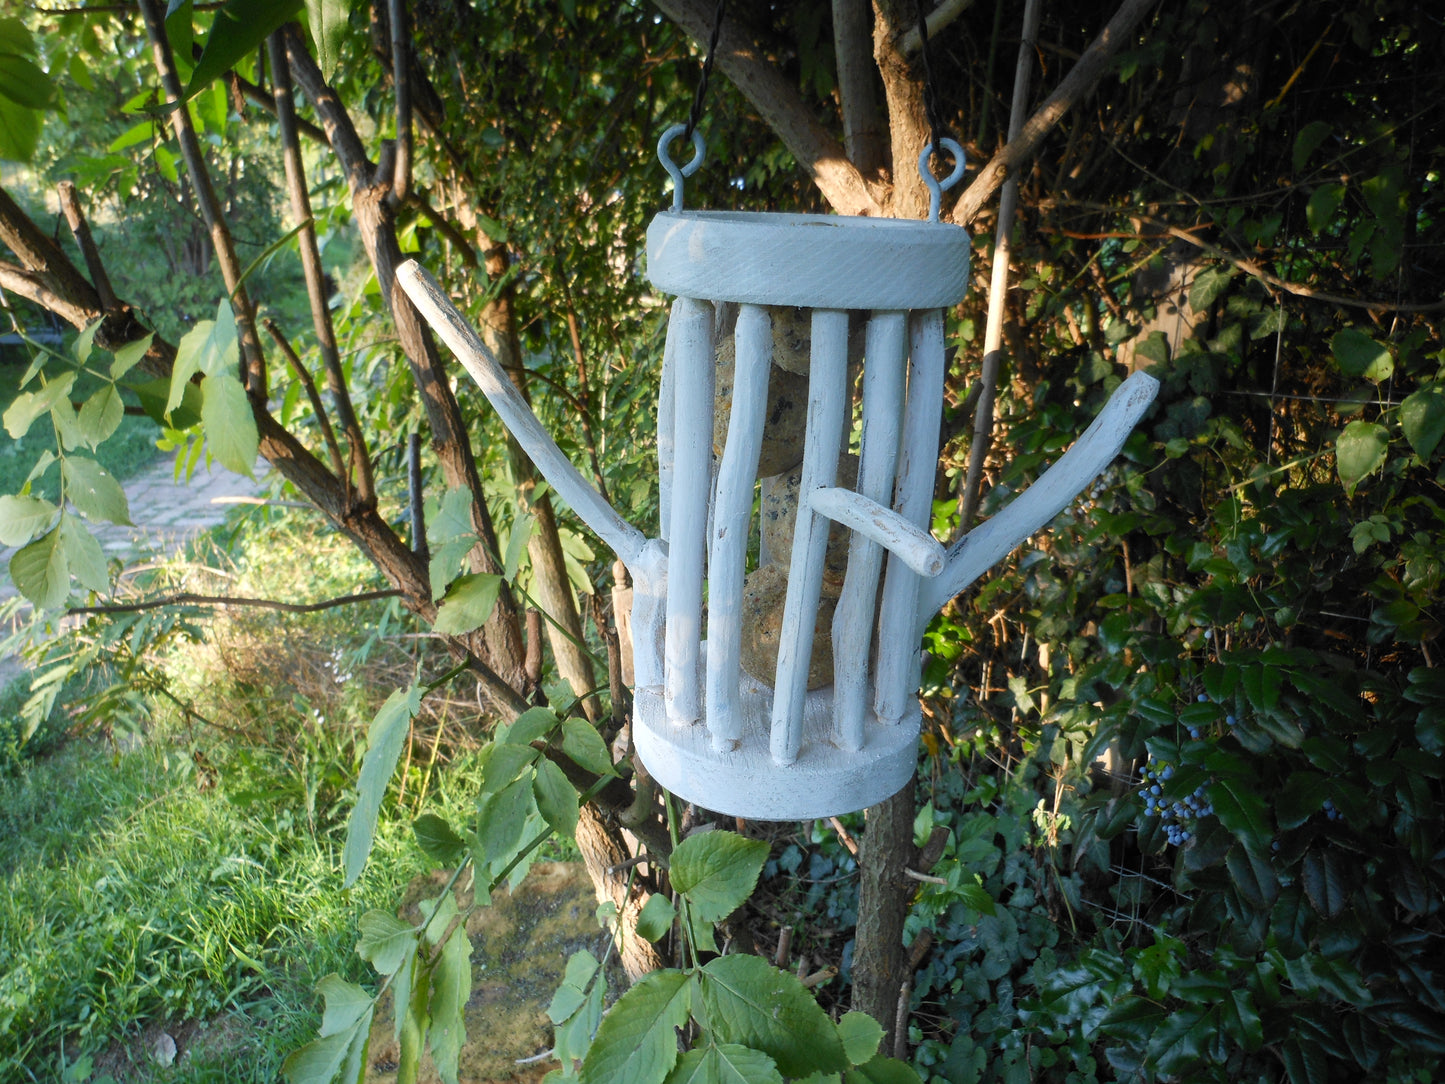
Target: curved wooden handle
x: 984, y: 547
x: 452, y: 327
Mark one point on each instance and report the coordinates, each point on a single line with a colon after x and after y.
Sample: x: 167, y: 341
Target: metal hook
x: 676, y: 172
x: 937, y: 188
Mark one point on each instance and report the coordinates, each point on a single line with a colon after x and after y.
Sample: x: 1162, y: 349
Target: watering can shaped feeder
x: 763, y: 745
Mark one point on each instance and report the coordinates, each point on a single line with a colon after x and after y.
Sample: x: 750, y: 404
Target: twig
x: 416, y: 496
x: 938, y: 18
x: 359, y: 457
x: 1082, y: 77
x: 925, y: 878
x: 968, y: 497
x: 401, y: 84
x: 848, y: 841
x: 70, y: 204
x: 785, y: 946
x: 210, y: 206
x: 900, y: 1020
x: 817, y: 978
x: 188, y: 598
x: 328, y: 434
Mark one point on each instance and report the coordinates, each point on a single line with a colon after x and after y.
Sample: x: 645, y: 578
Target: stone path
x: 166, y: 514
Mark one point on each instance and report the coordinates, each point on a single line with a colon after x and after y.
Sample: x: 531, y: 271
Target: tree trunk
x: 879, y: 959
x: 606, y: 858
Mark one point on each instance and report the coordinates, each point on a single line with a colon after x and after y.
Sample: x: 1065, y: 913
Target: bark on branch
x: 1092, y: 66
x: 781, y: 108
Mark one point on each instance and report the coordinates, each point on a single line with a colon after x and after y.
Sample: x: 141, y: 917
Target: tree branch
x: 1082, y: 77
x: 937, y: 19
x: 80, y: 230
x: 782, y: 109
x: 245, y: 313
x: 189, y: 598
x: 359, y: 457
x: 401, y: 85
x: 863, y: 122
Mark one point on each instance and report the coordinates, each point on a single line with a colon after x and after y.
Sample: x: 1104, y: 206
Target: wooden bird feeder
x: 748, y: 700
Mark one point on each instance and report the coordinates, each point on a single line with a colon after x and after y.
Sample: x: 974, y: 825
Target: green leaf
x: 1360, y: 450
x: 327, y: 19
x: 29, y: 405
x: 386, y: 941
x: 860, y: 1035
x: 1359, y: 355
x: 451, y: 987
x: 100, y: 415
x: 1422, y: 419
x: 505, y: 764
x: 93, y: 491
x: 1324, y: 882
x: 517, y: 540
x: 345, y: 1035
x: 437, y: 840
x: 532, y: 725
x: 19, y: 131
x: 882, y: 1070
x: 1207, y: 286
x: 25, y: 83
x: 85, y: 341
x: 83, y: 555
x: 636, y: 1043
x: 15, y: 37
x: 21, y: 517
x: 556, y: 798
x: 128, y: 356
x: 229, y: 424
x: 468, y: 603
x: 501, y: 819
x: 1324, y: 202
x: 717, y: 871
x: 656, y: 917
x: 725, y: 1063
x: 383, y: 747
x: 585, y: 747
x: 1307, y: 141
x: 40, y: 572
x: 141, y: 132
x: 240, y: 28
x: 747, y: 1000
x: 1240, y: 808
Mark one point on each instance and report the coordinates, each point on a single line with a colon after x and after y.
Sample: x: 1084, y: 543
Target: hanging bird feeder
x: 790, y: 692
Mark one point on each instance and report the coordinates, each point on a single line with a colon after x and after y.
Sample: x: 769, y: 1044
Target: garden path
x: 165, y: 514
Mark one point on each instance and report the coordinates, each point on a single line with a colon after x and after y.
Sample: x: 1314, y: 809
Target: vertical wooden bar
x: 899, y: 653
x: 827, y: 408
x: 692, y: 364
x: 666, y: 411
x: 884, y: 367
x: 728, y: 532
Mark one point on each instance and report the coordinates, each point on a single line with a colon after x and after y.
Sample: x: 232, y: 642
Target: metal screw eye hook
x: 937, y: 188
x: 676, y: 172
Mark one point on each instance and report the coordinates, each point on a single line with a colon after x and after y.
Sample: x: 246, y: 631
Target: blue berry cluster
x: 1331, y: 812
x: 1176, y: 815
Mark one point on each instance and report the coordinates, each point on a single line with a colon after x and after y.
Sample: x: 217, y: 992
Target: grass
x: 184, y: 876
x: 137, y: 889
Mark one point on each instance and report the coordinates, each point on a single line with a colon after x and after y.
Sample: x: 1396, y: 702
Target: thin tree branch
x: 1093, y: 65
x: 210, y: 207
x: 359, y: 457
x: 937, y: 19
x: 338, y: 463
x: 80, y: 230
x: 782, y: 108
x: 188, y: 598
x: 968, y: 496
x: 443, y: 226
x: 401, y: 85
